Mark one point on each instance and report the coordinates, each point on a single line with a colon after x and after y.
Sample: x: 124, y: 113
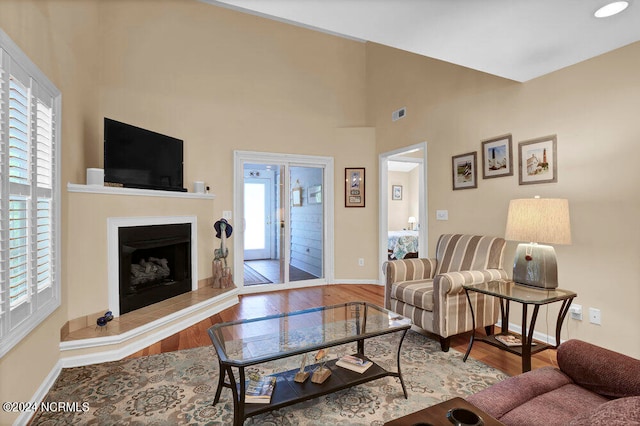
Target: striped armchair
x: 429, y: 291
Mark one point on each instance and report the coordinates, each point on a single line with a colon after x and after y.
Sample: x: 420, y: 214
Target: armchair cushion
x: 415, y: 293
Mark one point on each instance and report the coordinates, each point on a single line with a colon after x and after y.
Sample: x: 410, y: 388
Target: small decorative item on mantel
x: 321, y: 373
x: 220, y: 271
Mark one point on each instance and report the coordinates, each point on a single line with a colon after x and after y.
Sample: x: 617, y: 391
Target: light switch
x: 226, y: 214
x: 442, y: 214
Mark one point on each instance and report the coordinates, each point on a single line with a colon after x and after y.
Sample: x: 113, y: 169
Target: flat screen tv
x: 139, y: 158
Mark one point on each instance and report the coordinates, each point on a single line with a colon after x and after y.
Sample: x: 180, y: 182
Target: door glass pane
x: 306, y: 223
x: 262, y: 234
x: 254, y: 214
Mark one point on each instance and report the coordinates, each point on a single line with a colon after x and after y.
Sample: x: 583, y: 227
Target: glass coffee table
x: 244, y: 343
x: 509, y: 291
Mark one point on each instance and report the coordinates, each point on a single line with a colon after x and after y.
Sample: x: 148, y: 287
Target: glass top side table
x: 509, y: 291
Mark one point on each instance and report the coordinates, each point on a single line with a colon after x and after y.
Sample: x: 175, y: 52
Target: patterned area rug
x: 179, y: 387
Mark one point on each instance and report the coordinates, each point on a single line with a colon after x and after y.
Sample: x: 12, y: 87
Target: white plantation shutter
x: 29, y: 190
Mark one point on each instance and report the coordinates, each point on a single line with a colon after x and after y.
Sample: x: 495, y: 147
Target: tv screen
x: 139, y: 158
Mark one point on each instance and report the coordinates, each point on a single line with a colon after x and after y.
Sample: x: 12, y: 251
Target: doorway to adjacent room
x: 284, y: 206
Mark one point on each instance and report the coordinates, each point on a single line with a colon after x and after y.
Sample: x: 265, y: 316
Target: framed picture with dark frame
x: 464, y: 170
x: 354, y: 186
x: 537, y: 160
x: 497, y: 160
x: 396, y: 192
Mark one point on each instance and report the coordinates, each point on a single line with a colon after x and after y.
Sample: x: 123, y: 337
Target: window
x: 29, y: 194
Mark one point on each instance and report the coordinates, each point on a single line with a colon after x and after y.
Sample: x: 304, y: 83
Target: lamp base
x: 535, y: 265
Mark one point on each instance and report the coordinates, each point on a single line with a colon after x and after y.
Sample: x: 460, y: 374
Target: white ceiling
x: 515, y: 39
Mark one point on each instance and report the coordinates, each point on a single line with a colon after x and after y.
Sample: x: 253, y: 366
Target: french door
x: 259, y: 214
x: 285, y: 218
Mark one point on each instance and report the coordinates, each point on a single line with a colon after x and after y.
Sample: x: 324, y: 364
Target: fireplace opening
x: 155, y: 264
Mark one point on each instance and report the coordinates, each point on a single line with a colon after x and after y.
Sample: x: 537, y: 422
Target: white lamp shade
x: 539, y: 220
x: 412, y: 219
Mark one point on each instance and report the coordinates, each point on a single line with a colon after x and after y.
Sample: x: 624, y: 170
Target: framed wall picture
x: 396, y: 192
x: 497, y: 160
x: 354, y: 186
x: 315, y: 194
x: 464, y: 171
x: 537, y: 160
x: 296, y: 197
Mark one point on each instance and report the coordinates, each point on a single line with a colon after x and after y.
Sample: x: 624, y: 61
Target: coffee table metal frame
x: 509, y: 291
x: 287, y: 392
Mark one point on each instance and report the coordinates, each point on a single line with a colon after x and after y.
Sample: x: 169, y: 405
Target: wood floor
x: 257, y: 305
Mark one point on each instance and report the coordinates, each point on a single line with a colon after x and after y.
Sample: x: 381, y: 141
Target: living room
x: 225, y: 81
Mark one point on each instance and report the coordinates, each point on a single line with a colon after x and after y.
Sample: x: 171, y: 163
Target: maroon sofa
x: 592, y: 386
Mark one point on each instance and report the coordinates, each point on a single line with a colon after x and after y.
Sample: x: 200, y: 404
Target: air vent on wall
x: 398, y: 114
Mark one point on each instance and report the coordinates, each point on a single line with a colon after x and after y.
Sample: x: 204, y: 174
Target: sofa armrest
x: 406, y: 270
x: 509, y: 394
x: 600, y: 370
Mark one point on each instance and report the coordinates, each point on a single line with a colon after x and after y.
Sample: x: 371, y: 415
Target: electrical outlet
x: 576, y: 311
x: 442, y: 214
x: 594, y: 316
x: 361, y: 262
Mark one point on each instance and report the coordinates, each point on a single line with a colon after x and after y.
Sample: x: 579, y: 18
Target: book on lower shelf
x: 354, y: 363
x: 258, y: 390
x: 510, y: 340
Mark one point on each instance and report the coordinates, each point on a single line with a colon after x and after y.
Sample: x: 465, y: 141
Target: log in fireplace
x: 155, y: 264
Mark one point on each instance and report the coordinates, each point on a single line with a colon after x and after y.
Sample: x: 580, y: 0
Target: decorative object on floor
x: 497, y: 160
x: 396, y: 192
x: 464, y: 171
x: 537, y: 160
x: 104, y: 320
x: 354, y: 185
x: 301, y: 375
x: 222, y: 274
x: 178, y: 388
x: 537, y: 220
x: 591, y: 386
x: 321, y: 372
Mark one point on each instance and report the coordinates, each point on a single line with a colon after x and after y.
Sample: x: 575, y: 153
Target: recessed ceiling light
x: 611, y: 9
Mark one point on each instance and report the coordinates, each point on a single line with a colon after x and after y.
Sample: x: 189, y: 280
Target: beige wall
x: 59, y: 37
x: 592, y: 107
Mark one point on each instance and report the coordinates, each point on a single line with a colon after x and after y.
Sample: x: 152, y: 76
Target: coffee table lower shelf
x: 287, y: 392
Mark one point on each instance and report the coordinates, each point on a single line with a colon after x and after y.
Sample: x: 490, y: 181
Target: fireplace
x: 151, y: 259
x: 155, y: 264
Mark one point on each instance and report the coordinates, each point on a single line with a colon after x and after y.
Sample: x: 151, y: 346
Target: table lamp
x: 412, y: 223
x: 537, y: 220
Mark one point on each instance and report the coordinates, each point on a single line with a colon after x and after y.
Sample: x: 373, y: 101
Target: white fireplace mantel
x: 97, y: 189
